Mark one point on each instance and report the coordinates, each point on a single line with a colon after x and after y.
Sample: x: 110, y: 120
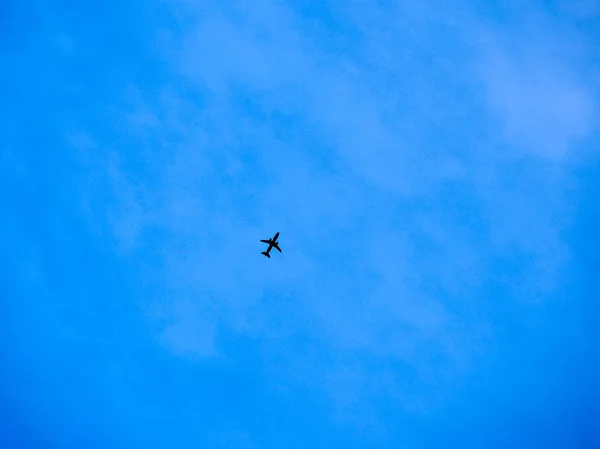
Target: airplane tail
x: 266, y: 254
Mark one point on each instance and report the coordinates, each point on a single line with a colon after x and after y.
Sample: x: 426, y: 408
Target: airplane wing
x: 276, y: 246
x: 266, y: 241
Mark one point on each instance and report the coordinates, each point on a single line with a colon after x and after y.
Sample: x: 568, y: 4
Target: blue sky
x: 433, y: 170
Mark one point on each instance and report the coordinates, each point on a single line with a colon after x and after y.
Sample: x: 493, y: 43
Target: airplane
x: 272, y: 243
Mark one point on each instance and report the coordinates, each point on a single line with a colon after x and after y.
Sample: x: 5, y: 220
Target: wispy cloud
x: 417, y: 161
x: 535, y: 80
x: 381, y: 168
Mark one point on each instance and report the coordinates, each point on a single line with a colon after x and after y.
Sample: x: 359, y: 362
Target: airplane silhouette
x: 272, y: 243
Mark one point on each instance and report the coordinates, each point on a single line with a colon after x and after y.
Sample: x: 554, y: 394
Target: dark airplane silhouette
x: 272, y: 243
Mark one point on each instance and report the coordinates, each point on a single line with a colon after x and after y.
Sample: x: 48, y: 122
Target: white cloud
x: 535, y: 82
x: 199, y: 148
